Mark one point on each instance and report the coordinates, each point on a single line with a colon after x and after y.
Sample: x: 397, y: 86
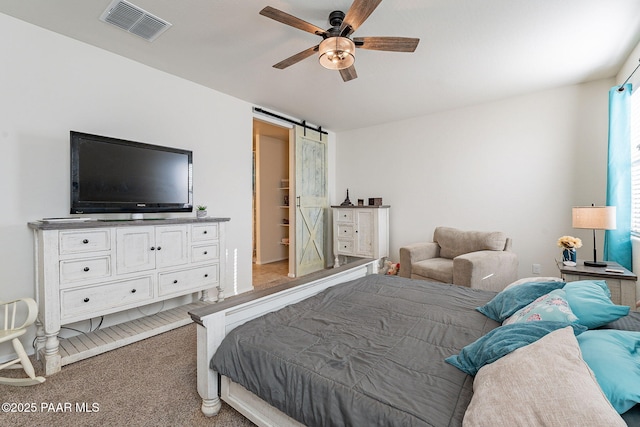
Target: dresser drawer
x: 344, y: 215
x: 104, y: 298
x: 73, y: 242
x: 205, y: 253
x: 77, y: 270
x: 345, y: 247
x: 180, y: 282
x: 204, y: 232
x: 345, y: 231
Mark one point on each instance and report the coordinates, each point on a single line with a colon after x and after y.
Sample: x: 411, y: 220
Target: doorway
x: 290, y: 203
x: 272, y: 228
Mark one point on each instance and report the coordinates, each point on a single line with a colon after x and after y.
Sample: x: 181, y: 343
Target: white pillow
x: 546, y: 381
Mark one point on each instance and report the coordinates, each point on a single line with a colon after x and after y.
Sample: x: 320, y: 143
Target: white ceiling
x: 470, y: 51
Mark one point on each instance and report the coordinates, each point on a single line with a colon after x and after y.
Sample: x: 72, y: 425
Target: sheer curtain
x: 617, y: 243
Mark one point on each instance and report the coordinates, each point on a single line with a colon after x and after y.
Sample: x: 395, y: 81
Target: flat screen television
x: 110, y: 175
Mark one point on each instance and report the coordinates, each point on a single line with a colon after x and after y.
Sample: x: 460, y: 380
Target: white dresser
x: 360, y: 231
x: 89, y: 269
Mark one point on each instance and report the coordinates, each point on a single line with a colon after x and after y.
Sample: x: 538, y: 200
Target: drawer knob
x: 204, y: 232
x: 205, y: 252
x: 175, y: 281
x: 159, y: 247
x: 86, y: 269
x: 153, y: 248
x: 206, y: 275
x: 85, y: 241
x: 133, y: 291
x: 86, y: 300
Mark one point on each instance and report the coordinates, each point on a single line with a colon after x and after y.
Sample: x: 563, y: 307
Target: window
x: 635, y: 163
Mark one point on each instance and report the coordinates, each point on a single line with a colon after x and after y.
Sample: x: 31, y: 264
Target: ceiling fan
x: 337, y: 49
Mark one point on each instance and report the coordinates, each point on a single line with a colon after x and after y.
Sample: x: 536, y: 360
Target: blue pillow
x: 591, y: 303
x: 601, y: 283
x: 502, y: 341
x: 552, y: 307
x: 614, y: 358
x: 513, y: 299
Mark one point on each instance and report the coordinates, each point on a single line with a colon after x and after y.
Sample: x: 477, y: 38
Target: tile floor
x: 267, y: 275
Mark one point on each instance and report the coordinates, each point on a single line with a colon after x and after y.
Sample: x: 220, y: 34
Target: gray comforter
x: 366, y: 353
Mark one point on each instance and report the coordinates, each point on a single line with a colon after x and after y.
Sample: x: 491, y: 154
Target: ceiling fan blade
x: 348, y: 73
x: 291, y: 20
x: 296, y: 58
x: 392, y: 44
x: 357, y: 14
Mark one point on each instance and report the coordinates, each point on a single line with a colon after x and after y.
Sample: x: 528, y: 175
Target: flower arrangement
x: 569, y: 242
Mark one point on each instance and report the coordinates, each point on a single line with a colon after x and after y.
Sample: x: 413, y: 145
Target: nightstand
x: 623, y: 286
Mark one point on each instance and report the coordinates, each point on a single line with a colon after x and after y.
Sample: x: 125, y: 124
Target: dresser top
x: 361, y: 207
x: 62, y: 224
x: 585, y: 270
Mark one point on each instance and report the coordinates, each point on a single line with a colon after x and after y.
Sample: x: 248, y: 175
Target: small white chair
x: 10, y: 332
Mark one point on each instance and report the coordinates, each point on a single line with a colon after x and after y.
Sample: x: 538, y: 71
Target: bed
x: 361, y: 349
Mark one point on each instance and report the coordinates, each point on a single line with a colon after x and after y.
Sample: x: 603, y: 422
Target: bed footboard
x: 215, y: 321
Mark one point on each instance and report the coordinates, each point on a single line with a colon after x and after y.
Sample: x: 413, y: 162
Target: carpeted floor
x: 149, y: 383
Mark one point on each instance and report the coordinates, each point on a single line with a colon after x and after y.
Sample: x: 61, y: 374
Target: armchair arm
x: 416, y: 252
x: 487, y: 270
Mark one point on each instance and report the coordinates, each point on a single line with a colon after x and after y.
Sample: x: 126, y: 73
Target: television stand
x: 90, y: 269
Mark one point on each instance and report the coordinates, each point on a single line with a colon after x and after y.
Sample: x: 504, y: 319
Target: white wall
x: 517, y: 165
x: 51, y: 84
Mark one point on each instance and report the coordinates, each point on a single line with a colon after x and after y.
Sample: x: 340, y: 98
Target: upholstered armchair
x: 475, y: 259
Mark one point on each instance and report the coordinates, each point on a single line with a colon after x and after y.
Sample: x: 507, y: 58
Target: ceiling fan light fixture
x: 336, y: 53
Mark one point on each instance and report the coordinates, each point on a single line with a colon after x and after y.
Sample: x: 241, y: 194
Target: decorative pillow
x: 502, y: 341
x: 546, y: 381
x: 552, y: 307
x: 601, y: 283
x: 533, y: 279
x: 614, y: 358
x: 513, y: 299
x: 590, y: 302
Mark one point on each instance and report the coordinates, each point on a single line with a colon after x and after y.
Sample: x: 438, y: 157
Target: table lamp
x: 596, y: 218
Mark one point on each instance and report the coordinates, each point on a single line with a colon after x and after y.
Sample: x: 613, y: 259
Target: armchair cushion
x: 454, y: 242
x: 438, y: 269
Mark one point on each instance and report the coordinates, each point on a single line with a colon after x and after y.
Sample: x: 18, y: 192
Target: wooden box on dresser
x: 360, y: 231
x: 87, y: 269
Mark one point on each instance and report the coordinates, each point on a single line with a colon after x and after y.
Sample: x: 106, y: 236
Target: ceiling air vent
x: 134, y: 20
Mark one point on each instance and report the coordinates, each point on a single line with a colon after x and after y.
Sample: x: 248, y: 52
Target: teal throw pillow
x: 552, y: 307
x: 601, y: 283
x: 513, y: 299
x: 592, y: 304
x: 502, y: 341
x: 614, y: 358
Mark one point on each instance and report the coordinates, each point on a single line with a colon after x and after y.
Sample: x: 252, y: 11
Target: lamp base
x: 595, y: 264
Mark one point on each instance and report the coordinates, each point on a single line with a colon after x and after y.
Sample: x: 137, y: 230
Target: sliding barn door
x: 311, y: 200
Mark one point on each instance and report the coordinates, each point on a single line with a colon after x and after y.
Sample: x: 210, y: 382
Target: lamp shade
x: 594, y: 217
x: 336, y: 53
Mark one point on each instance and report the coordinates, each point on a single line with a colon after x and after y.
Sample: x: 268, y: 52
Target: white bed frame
x: 216, y: 321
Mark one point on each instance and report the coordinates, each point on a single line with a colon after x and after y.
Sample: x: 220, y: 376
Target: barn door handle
x: 298, y: 201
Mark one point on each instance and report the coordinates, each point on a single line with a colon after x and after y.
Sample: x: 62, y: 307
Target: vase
x: 569, y: 255
x: 201, y: 213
